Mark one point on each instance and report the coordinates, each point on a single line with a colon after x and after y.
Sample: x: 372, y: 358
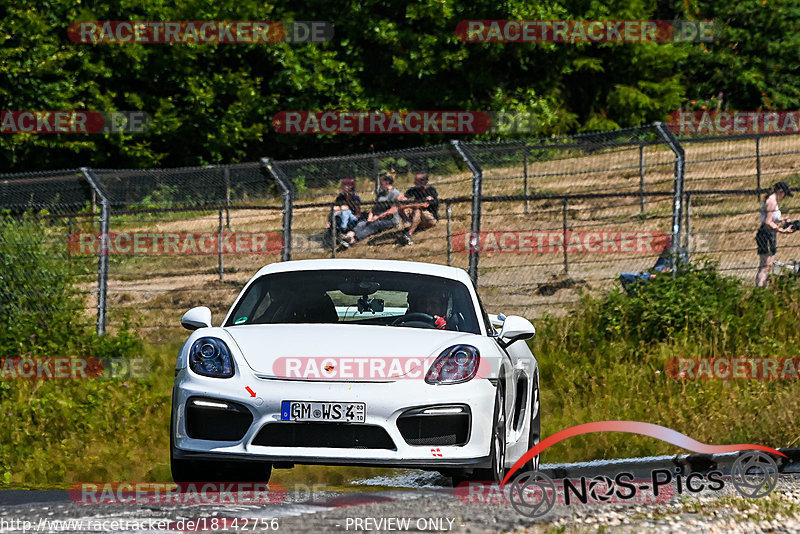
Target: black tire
x: 497, y: 455
x: 214, y: 471
x: 535, y: 431
x: 211, y: 471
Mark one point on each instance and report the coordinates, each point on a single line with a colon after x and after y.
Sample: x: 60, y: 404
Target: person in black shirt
x: 425, y: 212
x: 347, y: 206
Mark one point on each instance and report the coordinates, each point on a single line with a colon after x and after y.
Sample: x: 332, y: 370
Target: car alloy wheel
x: 535, y: 431
x: 499, y: 466
x: 497, y: 454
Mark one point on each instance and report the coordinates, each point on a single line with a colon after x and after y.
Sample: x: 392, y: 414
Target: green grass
x: 59, y: 432
x: 606, y: 361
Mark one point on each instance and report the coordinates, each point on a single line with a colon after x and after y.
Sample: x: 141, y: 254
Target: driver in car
x: 433, y: 303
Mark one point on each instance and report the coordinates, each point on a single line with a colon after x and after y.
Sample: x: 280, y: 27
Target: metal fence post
x: 641, y: 176
x: 564, y: 206
x: 226, y: 173
x: 332, y: 218
x: 102, y: 259
x: 69, y: 234
x: 525, y: 180
x: 688, y: 224
x: 758, y: 168
x: 677, y: 192
x: 219, y: 245
x: 288, y: 199
x: 376, y: 167
x: 477, y: 184
x: 449, y: 212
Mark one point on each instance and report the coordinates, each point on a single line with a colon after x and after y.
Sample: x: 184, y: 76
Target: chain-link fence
x: 144, y: 244
x: 568, y: 214
x: 179, y: 226
x: 535, y: 221
x: 727, y: 179
x: 317, y: 182
x: 36, y: 278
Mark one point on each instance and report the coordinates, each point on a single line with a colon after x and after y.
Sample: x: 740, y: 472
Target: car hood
x: 334, y: 351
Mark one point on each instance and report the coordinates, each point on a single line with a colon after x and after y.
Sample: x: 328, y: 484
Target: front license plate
x: 343, y: 412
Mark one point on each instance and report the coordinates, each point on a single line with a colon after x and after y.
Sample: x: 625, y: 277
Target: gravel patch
x: 436, y: 510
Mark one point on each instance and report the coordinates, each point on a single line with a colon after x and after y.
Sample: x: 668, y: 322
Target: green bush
x: 49, y: 424
x: 38, y: 301
x: 607, y: 360
x: 42, y: 312
x: 697, y: 300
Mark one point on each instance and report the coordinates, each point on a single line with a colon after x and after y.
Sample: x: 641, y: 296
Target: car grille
x: 325, y: 435
x: 418, y: 428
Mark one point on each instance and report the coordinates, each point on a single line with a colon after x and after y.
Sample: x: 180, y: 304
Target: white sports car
x: 358, y: 362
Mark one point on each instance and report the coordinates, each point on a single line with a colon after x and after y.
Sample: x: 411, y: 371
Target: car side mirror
x: 514, y: 329
x: 195, y: 318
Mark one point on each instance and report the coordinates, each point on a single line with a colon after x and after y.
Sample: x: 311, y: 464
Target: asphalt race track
x: 423, y: 502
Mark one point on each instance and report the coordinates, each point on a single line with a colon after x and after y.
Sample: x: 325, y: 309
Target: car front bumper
x: 385, y: 403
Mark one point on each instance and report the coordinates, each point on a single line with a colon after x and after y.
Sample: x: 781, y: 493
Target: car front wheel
x: 497, y: 455
x: 535, y: 432
x: 212, y: 471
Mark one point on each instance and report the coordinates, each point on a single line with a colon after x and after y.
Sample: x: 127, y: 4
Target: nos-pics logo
x: 754, y: 474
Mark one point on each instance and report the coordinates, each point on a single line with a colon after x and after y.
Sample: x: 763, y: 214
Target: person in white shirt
x: 771, y: 226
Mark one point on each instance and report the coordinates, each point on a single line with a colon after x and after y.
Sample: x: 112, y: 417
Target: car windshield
x: 357, y: 297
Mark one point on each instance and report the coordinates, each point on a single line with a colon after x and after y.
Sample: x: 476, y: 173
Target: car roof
x: 417, y: 267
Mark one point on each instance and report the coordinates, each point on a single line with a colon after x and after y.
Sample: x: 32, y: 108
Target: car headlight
x: 211, y: 357
x: 456, y: 364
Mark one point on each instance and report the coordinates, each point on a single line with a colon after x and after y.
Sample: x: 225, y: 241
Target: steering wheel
x: 416, y: 319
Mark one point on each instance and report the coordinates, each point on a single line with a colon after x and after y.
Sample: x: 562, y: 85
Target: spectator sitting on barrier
x: 346, y: 207
x: 422, y: 214
x: 385, y: 214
